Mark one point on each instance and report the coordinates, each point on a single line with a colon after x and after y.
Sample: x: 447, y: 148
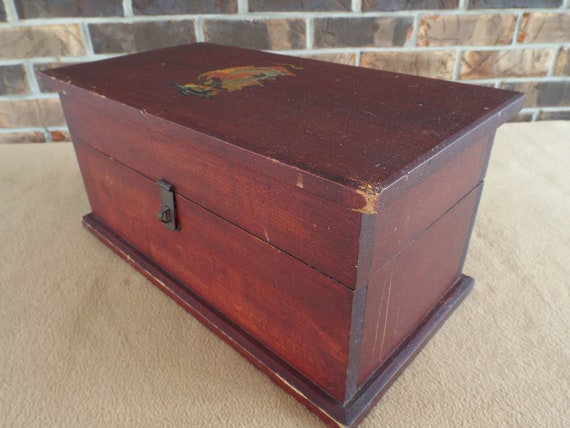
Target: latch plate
x: 167, y: 214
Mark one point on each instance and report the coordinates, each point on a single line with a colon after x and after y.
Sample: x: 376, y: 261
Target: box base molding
x: 311, y: 396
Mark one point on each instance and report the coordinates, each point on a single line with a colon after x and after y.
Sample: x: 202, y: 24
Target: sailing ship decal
x: 211, y: 83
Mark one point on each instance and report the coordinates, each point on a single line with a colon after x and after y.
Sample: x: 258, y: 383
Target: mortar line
x: 199, y: 29
x: 58, y: 128
x: 463, y: 5
x: 128, y: 8
x: 31, y: 78
x: 516, y: 29
x: 11, y: 11
x: 242, y: 7
x: 413, y: 43
x: 62, y: 59
x: 96, y: 56
x: 356, y: 6
x: 46, y: 131
x: 552, y: 68
x: 427, y: 48
x: 22, y: 129
x: 554, y: 108
x: 457, y: 65
x: 292, y: 52
x: 86, y: 35
x: 309, y: 32
x: 522, y: 79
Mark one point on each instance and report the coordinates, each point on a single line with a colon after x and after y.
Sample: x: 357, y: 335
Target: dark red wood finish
x: 312, y: 229
x: 404, y: 290
x: 357, y: 127
x: 233, y: 271
x: 333, y: 412
x: 265, y: 157
x: 424, y: 197
x: 324, y: 216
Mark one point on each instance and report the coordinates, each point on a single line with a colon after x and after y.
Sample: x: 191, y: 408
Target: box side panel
x: 320, y: 233
x: 298, y: 313
x: 425, y: 195
x: 403, y: 291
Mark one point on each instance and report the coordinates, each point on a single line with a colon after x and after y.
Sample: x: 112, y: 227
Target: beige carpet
x: 87, y: 341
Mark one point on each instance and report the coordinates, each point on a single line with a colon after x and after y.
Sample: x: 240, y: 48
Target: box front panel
x: 295, y: 311
x: 312, y: 229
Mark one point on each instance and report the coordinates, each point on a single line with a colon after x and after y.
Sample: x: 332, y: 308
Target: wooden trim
x: 315, y: 399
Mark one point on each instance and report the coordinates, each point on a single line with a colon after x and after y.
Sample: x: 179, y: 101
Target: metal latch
x: 167, y: 214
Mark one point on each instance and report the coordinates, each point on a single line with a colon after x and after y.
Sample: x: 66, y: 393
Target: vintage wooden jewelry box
x: 315, y: 216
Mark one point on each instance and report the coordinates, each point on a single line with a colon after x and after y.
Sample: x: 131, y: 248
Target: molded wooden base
x: 330, y: 410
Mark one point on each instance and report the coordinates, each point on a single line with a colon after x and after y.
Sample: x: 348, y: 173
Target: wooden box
x: 315, y: 216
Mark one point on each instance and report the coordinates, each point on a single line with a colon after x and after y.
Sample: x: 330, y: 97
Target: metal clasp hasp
x: 167, y: 214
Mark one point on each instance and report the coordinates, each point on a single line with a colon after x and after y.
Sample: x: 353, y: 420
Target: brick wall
x: 515, y: 44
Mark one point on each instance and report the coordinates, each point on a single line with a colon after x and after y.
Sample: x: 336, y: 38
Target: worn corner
x: 370, y: 193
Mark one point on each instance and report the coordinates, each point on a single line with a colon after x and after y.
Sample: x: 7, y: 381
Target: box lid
x: 356, y: 128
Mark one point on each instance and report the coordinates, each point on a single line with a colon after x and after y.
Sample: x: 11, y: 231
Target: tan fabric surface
x: 86, y: 341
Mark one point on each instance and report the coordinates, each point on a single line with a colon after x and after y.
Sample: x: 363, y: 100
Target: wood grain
x: 425, y: 196
x: 324, y: 213
x: 331, y: 411
x: 404, y: 290
x: 298, y: 313
x: 322, y: 234
x: 357, y: 127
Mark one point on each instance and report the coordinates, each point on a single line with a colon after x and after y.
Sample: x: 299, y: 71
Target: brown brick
x: 554, y: 115
x: 542, y: 94
x: 339, y: 58
x: 393, y: 5
x: 436, y: 64
x: 140, y: 36
x: 23, y: 137
x: 506, y: 63
x: 501, y: 4
x: 298, y: 5
x: 59, y: 136
x: 257, y: 34
x: 554, y: 94
x: 563, y: 64
x: 458, y: 30
x: 358, y: 32
x: 31, y: 113
x: 45, y: 40
x: 545, y: 28
x: 174, y: 7
x: 13, y: 80
x: 30, y: 9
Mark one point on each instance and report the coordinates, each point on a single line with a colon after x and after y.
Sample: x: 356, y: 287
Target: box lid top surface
x: 359, y: 128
